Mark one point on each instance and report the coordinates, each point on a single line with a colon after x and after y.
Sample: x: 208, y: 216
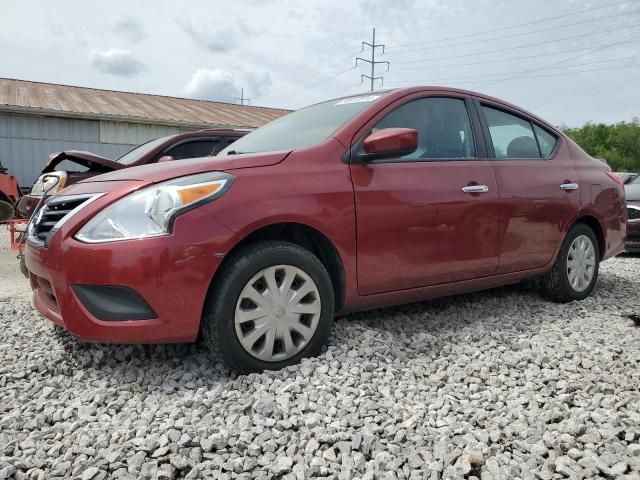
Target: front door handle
x: 475, y: 189
x: 569, y: 186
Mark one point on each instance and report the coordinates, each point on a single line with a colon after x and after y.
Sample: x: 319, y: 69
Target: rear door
x: 539, y: 189
x: 430, y: 217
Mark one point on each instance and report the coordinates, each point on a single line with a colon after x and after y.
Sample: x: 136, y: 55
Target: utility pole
x: 241, y: 98
x: 373, y: 61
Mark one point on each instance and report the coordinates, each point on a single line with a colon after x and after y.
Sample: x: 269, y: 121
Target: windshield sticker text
x: 366, y: 98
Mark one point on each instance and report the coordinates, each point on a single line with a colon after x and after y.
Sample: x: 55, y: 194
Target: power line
x: 527, y: 45
x: 484, y: 62
x: 499, y: 75
x: 519, y: 75
x: 286, y: 93
x: 593, y: 50
x: 558, y: 74
x: 614, y: 67
x: 509, y: 27
x: 519, y: 34
x: 373, y: 61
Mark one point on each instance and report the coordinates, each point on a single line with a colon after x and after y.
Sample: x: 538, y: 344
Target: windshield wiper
x: 235, y: 152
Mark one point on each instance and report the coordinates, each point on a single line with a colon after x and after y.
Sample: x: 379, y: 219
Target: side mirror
x: 389, y: 143
x: 165, y: 158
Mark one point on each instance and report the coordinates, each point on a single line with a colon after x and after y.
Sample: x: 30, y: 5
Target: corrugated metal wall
x: 26, y: 140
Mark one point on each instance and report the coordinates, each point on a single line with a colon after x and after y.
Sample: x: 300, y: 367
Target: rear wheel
x: 270, y: 305
x: 575, y: 271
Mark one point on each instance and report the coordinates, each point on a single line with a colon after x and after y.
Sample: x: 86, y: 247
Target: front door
x: 429, y: 217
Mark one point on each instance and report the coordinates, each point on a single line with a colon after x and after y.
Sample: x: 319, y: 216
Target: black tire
x: 218, y: 326
x: 23, y: 267
x: 555, y: 283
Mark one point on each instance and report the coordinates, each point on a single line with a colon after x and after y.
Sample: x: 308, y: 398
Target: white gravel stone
x: 494, y: 385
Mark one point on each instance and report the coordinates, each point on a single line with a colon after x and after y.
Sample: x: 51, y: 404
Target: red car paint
x: 403, y: 231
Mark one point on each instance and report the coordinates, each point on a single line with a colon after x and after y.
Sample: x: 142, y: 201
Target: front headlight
x: 47, y: 180
x: 150, y: 211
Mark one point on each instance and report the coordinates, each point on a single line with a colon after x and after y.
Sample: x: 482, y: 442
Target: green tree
x: 618, y: 144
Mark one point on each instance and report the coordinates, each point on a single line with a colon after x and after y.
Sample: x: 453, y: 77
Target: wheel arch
x: 305, y: 236
x: 594, y: 224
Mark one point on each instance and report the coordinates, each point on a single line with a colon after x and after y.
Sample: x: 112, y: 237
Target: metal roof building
x: 39, y: 118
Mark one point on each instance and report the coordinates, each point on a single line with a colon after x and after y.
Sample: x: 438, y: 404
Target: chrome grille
x: 633, y: 213
x: 53, y: 213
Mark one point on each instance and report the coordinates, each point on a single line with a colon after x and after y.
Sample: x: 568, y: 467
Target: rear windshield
x: 304, y: 128
x: 140, y: 151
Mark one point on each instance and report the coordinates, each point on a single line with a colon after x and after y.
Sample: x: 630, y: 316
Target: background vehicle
x: 9, y: 194
x: 632, y: 193
x: 627, y: 177
x: 350, y: 204
x: 200, y: 143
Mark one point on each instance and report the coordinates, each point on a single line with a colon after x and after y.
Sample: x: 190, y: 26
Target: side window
x: 443, y: 125
x: 194, y: 149
x: 546, y: 141
x: 512, y: 136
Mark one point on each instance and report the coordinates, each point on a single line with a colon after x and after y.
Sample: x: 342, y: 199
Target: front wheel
x: 270, y: 305
x: 575, y: 271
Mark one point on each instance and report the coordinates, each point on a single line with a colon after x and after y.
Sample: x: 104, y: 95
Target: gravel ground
x: 494, y: 385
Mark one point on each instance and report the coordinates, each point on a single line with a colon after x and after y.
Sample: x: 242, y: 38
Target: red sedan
x: 346, y: 205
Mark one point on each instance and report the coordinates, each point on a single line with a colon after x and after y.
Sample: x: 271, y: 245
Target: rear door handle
x: 569, y: 186
x: 475, y: 189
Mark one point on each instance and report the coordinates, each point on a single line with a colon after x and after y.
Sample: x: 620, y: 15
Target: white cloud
x: 216, y: 84
x: 222, y: 85
x: 115, y: 62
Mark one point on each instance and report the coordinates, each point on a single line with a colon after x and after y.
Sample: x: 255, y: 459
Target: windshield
x: 635, y: 180
x: 137, y: 153
x: 304, y: 128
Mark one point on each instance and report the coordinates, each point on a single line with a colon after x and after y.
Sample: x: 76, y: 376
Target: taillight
x: 616, y: 178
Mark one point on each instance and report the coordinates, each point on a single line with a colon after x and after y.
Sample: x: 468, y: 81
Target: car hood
x: 632, y: 192
x: 86, y: 159
x: 158, y: 172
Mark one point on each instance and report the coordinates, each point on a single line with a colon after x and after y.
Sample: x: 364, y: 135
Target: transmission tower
x: 372, y: 78
x: 241, y: 98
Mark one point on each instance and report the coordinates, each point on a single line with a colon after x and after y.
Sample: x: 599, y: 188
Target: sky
x: 569, y: 62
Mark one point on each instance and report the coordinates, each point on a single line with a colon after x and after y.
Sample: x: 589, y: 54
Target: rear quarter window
x: 512, y: 136
x: 546, y: 141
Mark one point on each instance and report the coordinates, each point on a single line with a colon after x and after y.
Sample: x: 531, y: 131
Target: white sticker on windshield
x: 366, y: 98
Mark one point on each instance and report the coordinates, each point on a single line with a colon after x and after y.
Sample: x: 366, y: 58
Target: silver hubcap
x: 581, y: 263
x: 277, y: 313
